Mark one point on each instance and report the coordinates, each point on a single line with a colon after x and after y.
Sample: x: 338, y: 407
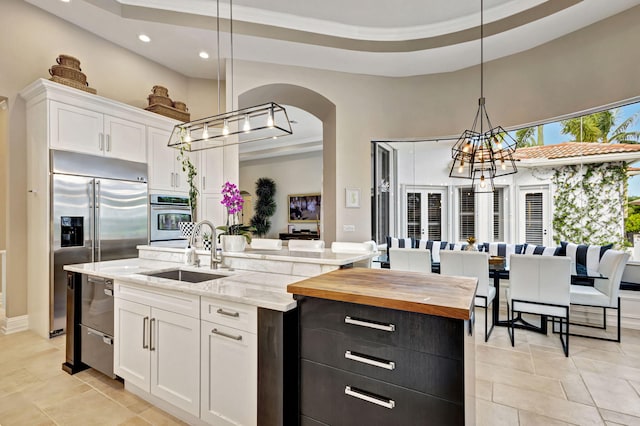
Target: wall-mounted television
x: 304, y: 207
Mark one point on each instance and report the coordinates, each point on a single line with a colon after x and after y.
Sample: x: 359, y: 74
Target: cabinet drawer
x: 236, y: 315
x: 337, y: 397
x: 431, y: 374
x: 172, y: 301
x: 424, y: 333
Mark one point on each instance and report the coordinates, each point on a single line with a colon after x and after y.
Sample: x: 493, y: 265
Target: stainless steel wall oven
x: 166, y: 211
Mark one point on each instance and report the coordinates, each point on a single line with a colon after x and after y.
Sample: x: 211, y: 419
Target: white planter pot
x: 233, y: 242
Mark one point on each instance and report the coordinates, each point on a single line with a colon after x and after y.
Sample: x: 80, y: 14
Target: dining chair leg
x: 510, y: 328
x: 604, y: 322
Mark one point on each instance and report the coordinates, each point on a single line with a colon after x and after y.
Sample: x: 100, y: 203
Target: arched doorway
x: 325, y: 111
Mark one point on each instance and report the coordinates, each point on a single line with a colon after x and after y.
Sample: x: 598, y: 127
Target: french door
x: 425, y: 213
x: 534, y: 216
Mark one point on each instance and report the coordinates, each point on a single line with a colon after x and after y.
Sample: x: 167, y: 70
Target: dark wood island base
x: 400, y: 352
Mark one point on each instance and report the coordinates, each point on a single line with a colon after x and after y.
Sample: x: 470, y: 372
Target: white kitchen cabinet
x: 210, y: 208
x: 158, y: 350
x: 84, y: 130
x: 229, y: 390
x: 211, y: 171
x: 165, y: 170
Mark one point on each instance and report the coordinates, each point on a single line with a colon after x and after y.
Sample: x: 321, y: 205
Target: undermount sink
x: 188, y: 276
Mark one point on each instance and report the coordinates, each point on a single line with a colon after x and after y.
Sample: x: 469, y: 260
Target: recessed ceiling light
x: 144, y: 38
x: 65, y: 1
x: 204, y: 55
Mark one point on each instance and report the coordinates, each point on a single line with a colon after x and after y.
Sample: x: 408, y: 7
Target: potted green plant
x: 187, y: 166
x: 234, y: 235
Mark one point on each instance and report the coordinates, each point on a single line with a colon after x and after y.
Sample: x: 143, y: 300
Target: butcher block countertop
x: 432, y: 294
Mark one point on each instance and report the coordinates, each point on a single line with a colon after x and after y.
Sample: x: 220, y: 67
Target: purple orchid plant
x: 232, y: 200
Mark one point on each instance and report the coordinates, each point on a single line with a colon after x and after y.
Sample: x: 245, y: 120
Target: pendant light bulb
x: 225, y: 128
x: 205, y: 131
x: 187, y: 136
x: 503, y: 165
x: 247, y: 125
x: 483, y: 184
x: 467, y: 146
x: 461, y: 168
x: 270, y: 118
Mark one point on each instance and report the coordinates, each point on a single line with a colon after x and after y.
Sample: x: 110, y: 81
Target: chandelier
x: 258, y: 122
x: 478, y: 154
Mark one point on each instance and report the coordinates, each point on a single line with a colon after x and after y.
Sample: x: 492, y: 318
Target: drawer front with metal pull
x: 424, y: 333
x: 97, y: 350
x: 236, y: 315
x: 431, y: 374
x: 337, y: 397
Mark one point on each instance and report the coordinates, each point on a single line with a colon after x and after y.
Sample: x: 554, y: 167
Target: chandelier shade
x: 259, y: 122
x: 482, y: 155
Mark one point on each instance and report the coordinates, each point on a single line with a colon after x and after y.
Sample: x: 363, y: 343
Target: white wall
x: 293, y: 174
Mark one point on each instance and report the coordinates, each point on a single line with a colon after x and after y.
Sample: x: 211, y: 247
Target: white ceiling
x: 378, y: 37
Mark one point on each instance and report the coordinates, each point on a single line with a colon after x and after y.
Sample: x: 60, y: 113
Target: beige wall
x: 592, y: 67
x: 293, y: 174
x: 4, y: 136
x: 32, y: 39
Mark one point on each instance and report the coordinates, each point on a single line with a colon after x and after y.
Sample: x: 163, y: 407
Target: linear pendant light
x: 258, y: 122
x: 482, y: 155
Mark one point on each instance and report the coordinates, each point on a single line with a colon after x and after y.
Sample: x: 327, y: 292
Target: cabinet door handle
x: 361, y: 323
x: 388, y: 365
x: 383, y: 402
x: 100, y: 141
x: 173, y: 180
x: 151, y: 347
x: 227, y: 313
x: 177, y: 181
x: 204, y: 183
x: 108, y: 146
x: 145, y: 321
x: 227, y: 335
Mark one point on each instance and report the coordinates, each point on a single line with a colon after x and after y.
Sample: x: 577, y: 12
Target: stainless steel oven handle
x: 383, y: 402
x: 349, y: 320
x: 170, y: 208
x: 389, y: 365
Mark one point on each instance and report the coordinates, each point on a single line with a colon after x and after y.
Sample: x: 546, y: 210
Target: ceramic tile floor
x: 531, y: 384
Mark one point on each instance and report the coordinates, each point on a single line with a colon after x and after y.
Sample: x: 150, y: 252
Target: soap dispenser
x: 189, y: 255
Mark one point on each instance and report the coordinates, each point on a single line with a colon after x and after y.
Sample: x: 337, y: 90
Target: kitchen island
x: 220, y: 345
x: 386, y: 347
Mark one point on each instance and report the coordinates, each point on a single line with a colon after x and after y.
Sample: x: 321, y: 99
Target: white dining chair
x: 605, y: 292
x: 306, y: 245
x: 348, y: 247
x: 266, y: 244
x: 540, y: 285
x: 472, y: 264
x: 409, y: 259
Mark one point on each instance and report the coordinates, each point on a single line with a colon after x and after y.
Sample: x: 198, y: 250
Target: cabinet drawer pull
x: 223, y: 334
x: 389, y: 365
x: 227, y: 313
x: 383, y: 402
x: 151, y: 347
x: 145, y: 321
x: 389, y: 327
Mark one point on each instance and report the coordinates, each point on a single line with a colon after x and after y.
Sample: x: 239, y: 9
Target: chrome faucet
x: 214, y: 246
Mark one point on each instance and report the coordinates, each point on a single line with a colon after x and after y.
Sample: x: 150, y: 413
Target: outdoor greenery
x: 529, y: 136
x: 589, y: 203
x: 632, y: 223
x: 265, y: 205
x: 601, y: 127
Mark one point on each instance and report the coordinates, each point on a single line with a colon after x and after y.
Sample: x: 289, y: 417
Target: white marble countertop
x: 254, y: 288
x: 325, y: 257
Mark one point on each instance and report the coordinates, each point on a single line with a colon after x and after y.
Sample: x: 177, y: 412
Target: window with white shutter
x: 467, y: 212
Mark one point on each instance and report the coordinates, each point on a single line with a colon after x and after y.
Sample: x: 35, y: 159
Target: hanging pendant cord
x: 231, y: 39
x: 218, y: 48
x: 481, y: 49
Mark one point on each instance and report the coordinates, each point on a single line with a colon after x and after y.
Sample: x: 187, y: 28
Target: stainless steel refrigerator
x: 99, y: 212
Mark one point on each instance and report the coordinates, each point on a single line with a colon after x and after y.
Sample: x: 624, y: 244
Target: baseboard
x: 14, y: 324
